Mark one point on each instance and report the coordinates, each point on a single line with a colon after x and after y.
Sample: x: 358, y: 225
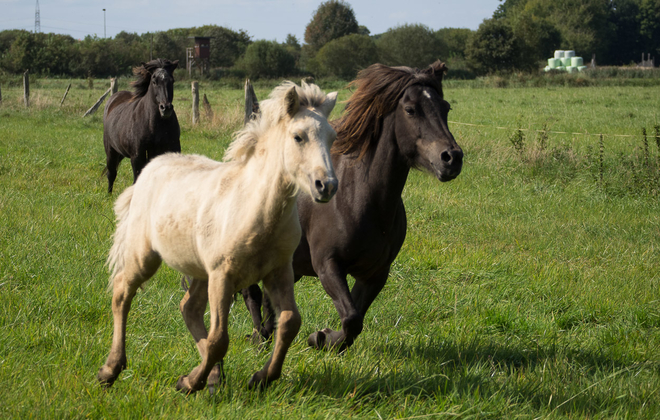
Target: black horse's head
x: 411, y: 100
x: 422, y: 132
x: 156, y: 79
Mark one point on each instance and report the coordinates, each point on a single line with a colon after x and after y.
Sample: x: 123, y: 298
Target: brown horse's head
x: 156, y: 79
x: 413, y: 99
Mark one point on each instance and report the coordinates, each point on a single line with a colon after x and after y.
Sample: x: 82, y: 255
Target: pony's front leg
x: 279, y: 287
x: 213, y: 347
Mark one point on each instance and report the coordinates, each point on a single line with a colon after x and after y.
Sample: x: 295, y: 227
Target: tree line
x: 519, y: 36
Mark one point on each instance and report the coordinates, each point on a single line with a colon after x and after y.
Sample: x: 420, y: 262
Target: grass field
x: 527, y: 288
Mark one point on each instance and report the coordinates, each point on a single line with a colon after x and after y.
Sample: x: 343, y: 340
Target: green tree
x: 226, y: 45
x: 455, y: 41
x: 333, y: 19
x: 649, y: 21
x: 266, y: 59
x: 494, y: 48
x: 345, y: 56
x: 410, y: 45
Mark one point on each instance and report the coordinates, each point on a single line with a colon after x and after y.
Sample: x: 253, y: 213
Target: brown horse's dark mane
x: 378, y: 89
x: 143, y: 74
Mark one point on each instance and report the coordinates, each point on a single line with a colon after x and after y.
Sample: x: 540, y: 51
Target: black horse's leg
x: 138, y: 163
x: 253, y: 300
x: 365, y: 290
x: 333, y: 279
x: 268, y: 326
x: 112, y: 163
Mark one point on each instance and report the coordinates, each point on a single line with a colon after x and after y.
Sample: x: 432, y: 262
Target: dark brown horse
x: 142, y: 124
x: 395, y: 120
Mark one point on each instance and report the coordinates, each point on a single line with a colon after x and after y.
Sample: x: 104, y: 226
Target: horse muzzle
x: 324, y: 190
x: 449, y: 166
x: 165, y: 110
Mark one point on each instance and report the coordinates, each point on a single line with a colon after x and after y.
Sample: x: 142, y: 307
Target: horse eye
x: 410, y: 110
x: 297, y: 138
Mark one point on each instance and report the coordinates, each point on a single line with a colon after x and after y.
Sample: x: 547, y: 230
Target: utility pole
x: 37, y: 19
x: 103, y: 22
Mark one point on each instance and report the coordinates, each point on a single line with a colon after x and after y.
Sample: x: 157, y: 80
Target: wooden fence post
x: 113, y: 86
x: 65, y: 93
x: 251, y: 103
x: 195, y: 103
x: 208, y: 112
x: 26, y: 88
x: 97, y: 104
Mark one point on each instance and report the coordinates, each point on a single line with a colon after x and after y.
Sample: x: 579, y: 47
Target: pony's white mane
x: 271, y: 112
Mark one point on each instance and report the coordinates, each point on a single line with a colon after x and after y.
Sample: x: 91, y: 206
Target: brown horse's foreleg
x: 113, y: 159
x: 138, y: 163
x: 333, y: 279
x: 213, y: 347
x: 279, y: 287
x: 193, y: 307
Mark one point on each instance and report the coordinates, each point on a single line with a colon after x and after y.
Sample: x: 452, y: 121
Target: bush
x: 345, y: 56
x: 266, y: 59
x: 410, y: 45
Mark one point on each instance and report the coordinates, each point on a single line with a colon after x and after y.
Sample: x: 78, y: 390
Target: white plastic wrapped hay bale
x: 566, y: 61
x: 553, y: 63
x: 571, y: 69
x: 559, y: 54
x: 582, y: 68
x: 569, y: 54
x: 577, y: 61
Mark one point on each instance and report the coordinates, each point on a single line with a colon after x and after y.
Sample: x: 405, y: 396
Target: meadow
x: 527, y: 288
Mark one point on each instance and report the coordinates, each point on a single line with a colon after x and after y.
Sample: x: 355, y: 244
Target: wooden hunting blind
x: 199, y: 54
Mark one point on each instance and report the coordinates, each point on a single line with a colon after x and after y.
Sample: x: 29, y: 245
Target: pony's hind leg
x: 125, y: 285
x: 279, y: 287
x: 193, y: 306
x: 213, y: 347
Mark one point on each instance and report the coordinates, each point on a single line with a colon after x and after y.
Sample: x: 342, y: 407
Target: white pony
x: 227, y: 225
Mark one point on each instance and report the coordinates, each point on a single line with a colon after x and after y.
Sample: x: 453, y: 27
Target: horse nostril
x: 319, y: 186
x: 454, y: 157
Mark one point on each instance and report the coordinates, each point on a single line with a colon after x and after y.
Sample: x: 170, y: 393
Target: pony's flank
x: 272, y: 110
x: 116, y: 257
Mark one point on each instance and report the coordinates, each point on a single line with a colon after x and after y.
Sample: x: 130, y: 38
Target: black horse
x: 141, y: 125
x: 395, y: 120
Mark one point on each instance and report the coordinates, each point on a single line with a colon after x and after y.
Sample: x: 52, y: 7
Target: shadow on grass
x: 548, y: 379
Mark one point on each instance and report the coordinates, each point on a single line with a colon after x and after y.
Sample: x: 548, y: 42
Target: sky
x: 271, y: 20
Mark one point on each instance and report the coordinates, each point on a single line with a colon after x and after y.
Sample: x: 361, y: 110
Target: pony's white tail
x: 116, y: 258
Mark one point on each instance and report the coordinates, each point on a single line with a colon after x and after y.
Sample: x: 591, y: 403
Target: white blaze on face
x: 426, y: 93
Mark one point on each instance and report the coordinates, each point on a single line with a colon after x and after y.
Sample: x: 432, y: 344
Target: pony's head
x: 297, y: 119
x: 156, y: 78
x: 412, y: 100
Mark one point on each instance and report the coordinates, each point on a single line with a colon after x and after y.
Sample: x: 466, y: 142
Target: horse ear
x: 174, y: 64
x: 438, y: 69
x: 292, y: 102
x: 328, y: 105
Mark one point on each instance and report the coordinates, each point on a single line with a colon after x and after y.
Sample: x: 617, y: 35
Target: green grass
x: 527, y: 287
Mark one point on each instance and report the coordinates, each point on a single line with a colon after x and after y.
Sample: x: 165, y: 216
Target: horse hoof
x: 215, y: 379
x: 183, y: 385
x: 106, y: 377
x: 258, y: 380
x: 320, y: 339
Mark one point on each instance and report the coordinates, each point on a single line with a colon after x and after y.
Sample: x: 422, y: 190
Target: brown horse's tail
x: 116, y: 258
